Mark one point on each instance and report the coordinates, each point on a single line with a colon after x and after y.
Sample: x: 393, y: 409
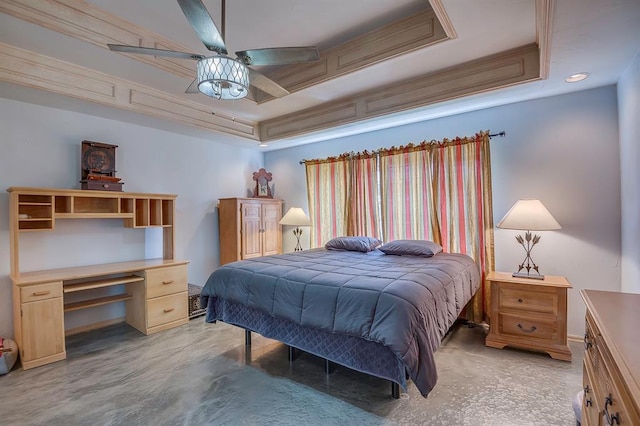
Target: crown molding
x: 84, y: 21
x: 544, y: 29
x: 443, y: 18
x: 496, y: 71
x: 417, y: 31
x: 30, y: 69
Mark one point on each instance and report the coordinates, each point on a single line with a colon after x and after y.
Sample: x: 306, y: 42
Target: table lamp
x: 295, y: 216
x: 529, y: 215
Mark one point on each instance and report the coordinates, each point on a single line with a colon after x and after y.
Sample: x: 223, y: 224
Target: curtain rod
x: 501, y: 134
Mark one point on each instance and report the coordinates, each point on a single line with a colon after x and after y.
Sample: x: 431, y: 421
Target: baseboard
x: 575, y: 338
x: 93, y: 326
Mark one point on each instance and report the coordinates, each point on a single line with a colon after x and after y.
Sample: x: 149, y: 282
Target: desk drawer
x: 528, y: 298
x: 162, y: 310
x: 33, y: 293
x: 164, y: 281
x: 531, y: 327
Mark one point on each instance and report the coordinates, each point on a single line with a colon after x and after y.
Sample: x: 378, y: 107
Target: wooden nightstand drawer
x: 165, y: 281
x: 528, y: 327
x: 528, y: 298
x: 33, y: 293
x: 165, y: 309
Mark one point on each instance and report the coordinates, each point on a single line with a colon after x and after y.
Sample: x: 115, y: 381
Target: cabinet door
x: 251, y: 231
x: 271, y: 215
x: 42, y: 329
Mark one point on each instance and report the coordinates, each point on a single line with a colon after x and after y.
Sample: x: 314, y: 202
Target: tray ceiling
x: 382, y: 63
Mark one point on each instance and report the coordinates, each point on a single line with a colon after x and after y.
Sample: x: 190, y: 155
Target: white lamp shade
x: 295, y: 216
x: 528, y: 214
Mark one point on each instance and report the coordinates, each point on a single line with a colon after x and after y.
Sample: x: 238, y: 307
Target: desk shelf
x: 89, y: 285
x: 74, y: 306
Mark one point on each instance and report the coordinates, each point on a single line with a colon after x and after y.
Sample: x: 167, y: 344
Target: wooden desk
x: 155, y: 291
x: 155, y: 295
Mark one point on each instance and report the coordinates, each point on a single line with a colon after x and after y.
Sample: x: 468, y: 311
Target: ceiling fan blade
x: 155, y: 52
x: 203, y: 25
x: 266, y: 84
x: 193, y: 87
x: 279, y: 55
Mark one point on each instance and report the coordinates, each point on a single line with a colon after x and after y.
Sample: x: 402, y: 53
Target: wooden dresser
x: 529, y: 314
x: 249, y: 227
x: 611, y: 376
x: 154, y: 291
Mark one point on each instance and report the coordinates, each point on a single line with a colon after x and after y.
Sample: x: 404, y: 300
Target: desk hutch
x: 155, y: 290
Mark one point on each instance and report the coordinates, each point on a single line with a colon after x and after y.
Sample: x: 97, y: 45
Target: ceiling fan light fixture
x: 222, y: 77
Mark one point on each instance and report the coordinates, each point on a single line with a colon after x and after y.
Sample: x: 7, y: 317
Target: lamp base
x: 525, y: 275
x: 297, y: 232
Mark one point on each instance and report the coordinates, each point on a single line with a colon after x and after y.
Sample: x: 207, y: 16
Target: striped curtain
x: 441, y: 191
x: 463, y: 199
x: 363, y: 215
x: 328, y: 181
x: 408, y: 194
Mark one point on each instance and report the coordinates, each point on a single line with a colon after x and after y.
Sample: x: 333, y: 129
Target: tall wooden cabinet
x: 249, y: 227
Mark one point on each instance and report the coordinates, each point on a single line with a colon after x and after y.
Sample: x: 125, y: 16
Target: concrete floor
x: 201, y: 374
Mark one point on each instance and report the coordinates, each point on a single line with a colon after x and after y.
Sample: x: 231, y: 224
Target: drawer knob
x: 41, y: 293
x: 587, y: 343
x: 611, y: 419
x: 167, y: 310
x: 519, y: 300
x: 586, y: 389
x: 531, y: 330
x: 588, y: 402
x: 167, y: 282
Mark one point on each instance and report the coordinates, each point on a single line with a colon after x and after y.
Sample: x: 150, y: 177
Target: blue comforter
x: 404, y: 302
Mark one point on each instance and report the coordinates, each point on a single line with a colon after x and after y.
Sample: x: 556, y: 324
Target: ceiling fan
x: 219, y: 75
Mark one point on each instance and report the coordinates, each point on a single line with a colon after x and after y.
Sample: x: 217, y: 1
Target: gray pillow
x: 362, y: 244
x: 422, y: 248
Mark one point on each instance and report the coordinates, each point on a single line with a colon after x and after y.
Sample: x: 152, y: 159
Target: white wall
x: 562, y: 150
x: 40, y: 147
x: 629, y: 119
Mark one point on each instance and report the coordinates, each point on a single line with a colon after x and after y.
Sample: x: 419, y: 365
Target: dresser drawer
x: 615, y: 401
x: 528, y: 298
x: 530, y: 327
x: 162, y: 310
x: 37, y: 292
x: 164, y: 281
x: 590, y: 407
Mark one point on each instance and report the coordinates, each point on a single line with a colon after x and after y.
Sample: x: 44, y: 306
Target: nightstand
x: 529, y: 314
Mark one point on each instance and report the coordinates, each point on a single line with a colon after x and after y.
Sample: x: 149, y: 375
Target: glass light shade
x: 295, y: 216
x: 222, y: 77
x: 528, y: 214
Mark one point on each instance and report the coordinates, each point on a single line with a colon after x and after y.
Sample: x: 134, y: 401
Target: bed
x: 380, y: 314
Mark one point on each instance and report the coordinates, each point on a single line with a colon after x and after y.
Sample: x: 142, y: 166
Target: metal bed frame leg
x: 247, y: 337
x: 293, y: 354
x: 328, y: 367
x: 395, y: 390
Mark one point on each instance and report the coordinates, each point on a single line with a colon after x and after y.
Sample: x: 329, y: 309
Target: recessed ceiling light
x: 262, y: 144
x: 576, y: 77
